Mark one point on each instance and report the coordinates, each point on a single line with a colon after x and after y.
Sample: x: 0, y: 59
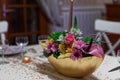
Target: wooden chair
x: 103, y: 27
x: 3, y: 30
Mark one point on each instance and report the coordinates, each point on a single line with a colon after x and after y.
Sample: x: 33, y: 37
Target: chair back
x: 3, y: 30
x: 107, y: 26
x: 3, y: 26
x: 103, y: 27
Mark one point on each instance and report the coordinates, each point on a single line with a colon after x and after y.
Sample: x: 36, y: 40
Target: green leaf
x: 55, y: 36
x: 56, y: 55
x: 87, y: 40
x: 75, y: 23
x: 46, y: 54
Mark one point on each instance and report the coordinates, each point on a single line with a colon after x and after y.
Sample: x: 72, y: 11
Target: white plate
x: 12, y: 50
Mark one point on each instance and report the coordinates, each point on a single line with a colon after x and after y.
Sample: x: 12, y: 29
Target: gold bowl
x: 79, y: 68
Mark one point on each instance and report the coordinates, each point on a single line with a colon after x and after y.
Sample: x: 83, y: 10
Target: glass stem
x: 22, y: 54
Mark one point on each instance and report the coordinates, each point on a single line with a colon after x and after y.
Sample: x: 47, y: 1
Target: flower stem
x: 89, y: 46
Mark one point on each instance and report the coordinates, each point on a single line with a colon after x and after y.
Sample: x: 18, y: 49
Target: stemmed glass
x: 22, y: 42
x: 42, y: 38
x: 3, y: 48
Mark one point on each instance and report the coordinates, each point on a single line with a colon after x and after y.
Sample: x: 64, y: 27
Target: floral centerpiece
x: 71, y: 54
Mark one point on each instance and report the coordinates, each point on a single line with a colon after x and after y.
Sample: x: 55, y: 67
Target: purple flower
x: 77, y: 54
x: 54, y: 47
x: 79, y: 44
x: 51, y: 48
x: 96, y: 50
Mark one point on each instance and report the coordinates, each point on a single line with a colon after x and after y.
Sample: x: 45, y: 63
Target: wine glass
x: 22, y: 42
x: 3, y: 48
x: 42, y: 38
x: 118, y: 55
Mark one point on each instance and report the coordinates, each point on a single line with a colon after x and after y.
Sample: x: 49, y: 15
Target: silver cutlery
x: 114, y: 69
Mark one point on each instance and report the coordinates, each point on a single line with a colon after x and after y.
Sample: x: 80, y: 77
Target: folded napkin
x: 12, y: 50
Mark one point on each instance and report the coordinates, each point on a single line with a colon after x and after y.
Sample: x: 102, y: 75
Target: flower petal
x: 96, y: 50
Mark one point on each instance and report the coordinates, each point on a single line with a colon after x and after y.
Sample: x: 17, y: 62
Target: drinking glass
x: 3, y: 48
x: 42, y: 38
x: 22, y: 42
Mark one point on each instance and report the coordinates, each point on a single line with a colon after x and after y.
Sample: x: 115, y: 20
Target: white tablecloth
x: 40, y: 69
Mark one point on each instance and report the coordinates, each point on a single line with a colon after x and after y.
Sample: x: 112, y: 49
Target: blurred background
x: 42, y: 17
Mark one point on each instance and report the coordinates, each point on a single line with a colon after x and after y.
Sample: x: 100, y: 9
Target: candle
x: 26, y: 60
x: 70, y: 15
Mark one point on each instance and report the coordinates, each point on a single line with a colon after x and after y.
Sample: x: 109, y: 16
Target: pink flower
x: 69, y: 39
x: 77, y: 54
x: 79, y: 44
x: 96, y: 50
x: 51, y: 47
